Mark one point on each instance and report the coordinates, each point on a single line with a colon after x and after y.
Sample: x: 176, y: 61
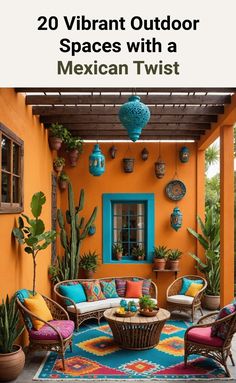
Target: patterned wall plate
x: 175, y: 190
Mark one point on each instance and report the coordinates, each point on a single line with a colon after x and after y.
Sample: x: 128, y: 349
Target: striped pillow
x: 121, y: 287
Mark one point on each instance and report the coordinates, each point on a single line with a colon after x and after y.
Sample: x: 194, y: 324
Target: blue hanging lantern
x: 134, y: 116
x: 96, y: 162
x: 176, y: 219
x: 92, y: 230
x: 184, y: 154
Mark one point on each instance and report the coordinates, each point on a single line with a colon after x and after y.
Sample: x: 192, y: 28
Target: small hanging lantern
x: 184, y: 154
x: 144, y: 154
x: 176, y: 219
x: 96, y: 162
x: 92, y: 230
x: 113, y: 151
x: 160, y: 168
x: 134, y: 116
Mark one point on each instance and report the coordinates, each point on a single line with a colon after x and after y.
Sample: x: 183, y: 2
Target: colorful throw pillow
x: 134, y: 289
x: 37, y: 305
x: 186, y: 283
x: 146, y: 285
x: 109, y: 289
x: 21, y: 295
x: 93, y: 291
x: 221, y: 330
x: 74, y: 292
x: 193, y: 289
x: 121, y: 287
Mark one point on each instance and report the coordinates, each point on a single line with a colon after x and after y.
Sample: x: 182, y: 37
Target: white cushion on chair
x: 181, y: 299
x: 85, y: 307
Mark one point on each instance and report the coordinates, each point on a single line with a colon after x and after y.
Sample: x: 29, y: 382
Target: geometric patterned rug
x: 96, y: 357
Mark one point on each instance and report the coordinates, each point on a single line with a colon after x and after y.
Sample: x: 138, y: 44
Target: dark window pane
x: 6, y: 153
x: 6, y: 195
x: 16, y: 194
x: 16, y: 168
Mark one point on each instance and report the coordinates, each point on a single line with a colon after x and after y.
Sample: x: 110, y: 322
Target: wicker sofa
x: 80, y: 312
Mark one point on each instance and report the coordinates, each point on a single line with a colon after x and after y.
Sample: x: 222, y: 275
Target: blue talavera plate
x: 175, y: 190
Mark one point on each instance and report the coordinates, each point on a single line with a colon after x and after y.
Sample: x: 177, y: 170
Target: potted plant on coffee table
x: 57, y: 134
x: 138, y: 253
x: 12, y: 357
x: 117, y: 250
x: 173, y: 259
x: 147, y: 306
x: 88, y: 263
x: 159, y: 259
x: 74, y: 146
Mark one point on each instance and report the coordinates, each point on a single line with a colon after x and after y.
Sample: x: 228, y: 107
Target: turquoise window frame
x: 107, y: 200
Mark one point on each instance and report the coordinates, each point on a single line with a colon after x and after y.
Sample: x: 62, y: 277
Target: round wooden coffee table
x: 137, y: 332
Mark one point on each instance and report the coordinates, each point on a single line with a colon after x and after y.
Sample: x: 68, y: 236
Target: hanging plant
x: 63, y: 181
x: 59, y: 164
x: 57, y: 135
x: 74, y: 147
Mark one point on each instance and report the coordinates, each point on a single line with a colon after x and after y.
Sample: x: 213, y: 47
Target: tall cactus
x: 71, y: 239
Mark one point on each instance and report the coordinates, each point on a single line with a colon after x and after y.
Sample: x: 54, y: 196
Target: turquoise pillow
x: 74, y: 292
x: 187, y: 283
x: 109, y: 289
x: 21, y: 295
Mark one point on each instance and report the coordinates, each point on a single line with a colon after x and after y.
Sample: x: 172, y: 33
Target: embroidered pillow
x: 93, y: 291
x: 146, y: 285
x: 134, y: 289
x: 74, y: 292
x: 186, y: 283
x: 193, y: 289
x: 37, y: 305
x: 120, y: 287
x: 109, y: 289
x: 221, y: 330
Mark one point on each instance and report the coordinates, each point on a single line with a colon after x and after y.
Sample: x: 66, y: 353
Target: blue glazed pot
x: 92, y: 230
x: 176, y: 219
x: 134, y: 115
x: 184, y: 154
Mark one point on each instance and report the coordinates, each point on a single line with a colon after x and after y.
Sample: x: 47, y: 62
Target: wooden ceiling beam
x: 142, y: 137
x: 113, y: 110
x: 160, y: 132
x: 114, y: 127
x: 128, y: 90
x: 112, y: 99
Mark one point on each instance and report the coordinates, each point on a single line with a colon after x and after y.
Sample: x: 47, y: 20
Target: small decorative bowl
x: 126, y: 314
x: 149, y: 313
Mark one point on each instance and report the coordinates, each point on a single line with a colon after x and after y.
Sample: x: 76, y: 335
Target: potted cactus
x: 117, y: 250
x: 173, y: 259
x: 57, y: 134
x: 12, y: 357
x: 63, y: 180
x: 159, y: 259
x: 59, y: 164
x: 138, y: 253
x: 74, y: 146
x: 89, y: 262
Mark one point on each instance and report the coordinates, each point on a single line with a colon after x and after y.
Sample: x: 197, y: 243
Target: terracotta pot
x: 119, y: 256
x: 73, y: 157
x: 128, y: 164
x: 174, y: 265
x: 54, y: 142
x: 211, y: 302
x: 63, y: 185
x: 89, y: 274
x: 11, y: 364
x: 58, y: 169
x: 159, y: 263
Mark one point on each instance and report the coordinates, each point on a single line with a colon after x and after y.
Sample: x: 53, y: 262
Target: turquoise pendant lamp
x: 96, y: 161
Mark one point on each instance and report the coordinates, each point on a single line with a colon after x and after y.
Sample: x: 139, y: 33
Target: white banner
x: 177, y: 43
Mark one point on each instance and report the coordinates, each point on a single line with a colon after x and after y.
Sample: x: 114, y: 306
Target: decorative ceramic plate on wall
x: 175, y: 190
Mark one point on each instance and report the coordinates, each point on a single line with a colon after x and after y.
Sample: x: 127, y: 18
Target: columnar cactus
x: 71, y: 239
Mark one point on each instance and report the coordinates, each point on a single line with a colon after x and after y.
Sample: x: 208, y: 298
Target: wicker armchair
x: 55, y: 335
x: 198, y: 339
x: 182, y: 302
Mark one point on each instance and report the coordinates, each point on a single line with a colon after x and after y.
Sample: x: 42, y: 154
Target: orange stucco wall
x: 15, y: 264
x: 143, y: 180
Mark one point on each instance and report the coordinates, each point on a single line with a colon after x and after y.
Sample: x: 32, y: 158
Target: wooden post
x: 226, y: 214
x: 200, y: 196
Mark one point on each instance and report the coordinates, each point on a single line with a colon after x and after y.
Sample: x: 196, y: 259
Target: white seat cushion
x: 85, y: 307
x: 184, y: 299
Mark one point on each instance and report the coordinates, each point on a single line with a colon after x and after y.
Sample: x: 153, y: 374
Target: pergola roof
x: 92, y: 113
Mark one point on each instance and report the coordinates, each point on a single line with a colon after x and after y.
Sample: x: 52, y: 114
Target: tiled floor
x: 34, y: 360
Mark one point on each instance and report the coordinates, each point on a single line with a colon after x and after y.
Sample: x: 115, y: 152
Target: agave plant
x: 10, y: 329
x: 210, y: 240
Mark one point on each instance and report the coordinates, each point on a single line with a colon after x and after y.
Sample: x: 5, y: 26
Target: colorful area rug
x: 96, y: 357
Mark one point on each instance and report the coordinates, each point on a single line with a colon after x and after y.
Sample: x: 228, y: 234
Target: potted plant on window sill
x: 88, y: 263
x: 74, y: 147
x: 57, y: 134
x: 159, y: 259
x: 12, y: 357
x: 138, y: 253
x: 173, y: 259
x: 117, y: 250
x: 59, y: 164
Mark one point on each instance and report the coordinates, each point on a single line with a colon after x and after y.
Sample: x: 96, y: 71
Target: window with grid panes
x: 11, y: 171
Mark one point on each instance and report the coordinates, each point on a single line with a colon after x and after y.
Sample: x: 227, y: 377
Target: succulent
x: 89, y: 261
x: 117, y: 247
x: 161, y: 252
x: 174, y: 254
x: 146, y: 303
x: 64, y: 177
x: 138, y: 252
